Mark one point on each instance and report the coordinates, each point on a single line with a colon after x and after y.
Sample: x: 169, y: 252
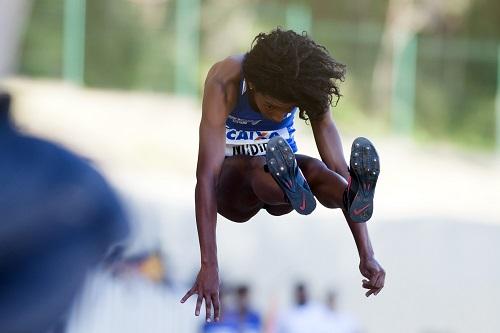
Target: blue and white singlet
x: 247, y: 131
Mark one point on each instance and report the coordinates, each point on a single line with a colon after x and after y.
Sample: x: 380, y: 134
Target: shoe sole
x: 365, y: 166
x: 283, y: 168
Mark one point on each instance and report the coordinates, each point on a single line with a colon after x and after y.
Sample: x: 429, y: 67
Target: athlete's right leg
x: 244, y: 188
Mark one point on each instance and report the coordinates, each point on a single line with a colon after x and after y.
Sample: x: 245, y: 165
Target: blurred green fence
x: 443, y: 87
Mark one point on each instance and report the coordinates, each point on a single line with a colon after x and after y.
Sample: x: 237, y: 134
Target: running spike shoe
x: 282, y: 165
x: 364, y: 170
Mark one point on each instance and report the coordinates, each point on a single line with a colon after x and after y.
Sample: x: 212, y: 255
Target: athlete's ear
x: 250, y: 85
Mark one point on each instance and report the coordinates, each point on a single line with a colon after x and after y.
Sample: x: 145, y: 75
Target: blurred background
x: 120, y: 82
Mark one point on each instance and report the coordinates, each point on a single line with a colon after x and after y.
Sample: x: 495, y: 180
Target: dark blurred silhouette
x: 58, y: 218
x: 239, y: 318
x: 248, y: 320
x: 301, y: 294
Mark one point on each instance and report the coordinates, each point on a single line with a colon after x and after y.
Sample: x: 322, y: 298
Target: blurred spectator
x: 148, y: 265
x: 59, y: 218
x: 340, y: 322
x: 238, y: 319
x: 248, y: 319
x: 305, y: 316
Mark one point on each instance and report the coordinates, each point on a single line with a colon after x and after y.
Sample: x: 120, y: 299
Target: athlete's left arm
x: 329, y: 144
x: 330, y: 149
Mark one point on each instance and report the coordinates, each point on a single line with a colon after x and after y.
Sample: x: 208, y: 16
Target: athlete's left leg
x: 327, y: 186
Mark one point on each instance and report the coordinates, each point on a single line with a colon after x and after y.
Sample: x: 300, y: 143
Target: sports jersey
x: 247, y: 131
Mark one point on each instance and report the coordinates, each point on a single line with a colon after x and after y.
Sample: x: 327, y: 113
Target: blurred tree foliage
x: 42, y: 47
x: 129, y: 45
x: 126, y: 46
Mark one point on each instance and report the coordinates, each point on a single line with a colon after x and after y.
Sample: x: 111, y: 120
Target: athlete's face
x: 271, y: 108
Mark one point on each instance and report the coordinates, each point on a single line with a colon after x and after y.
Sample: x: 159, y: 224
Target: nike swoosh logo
x: 361, y: 210
x: 303, y: 205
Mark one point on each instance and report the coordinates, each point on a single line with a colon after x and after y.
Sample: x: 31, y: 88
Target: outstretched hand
x: 206, y: 287
x: 375, y: 274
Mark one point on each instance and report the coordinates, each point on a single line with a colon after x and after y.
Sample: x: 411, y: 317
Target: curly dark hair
x: 293, y: 68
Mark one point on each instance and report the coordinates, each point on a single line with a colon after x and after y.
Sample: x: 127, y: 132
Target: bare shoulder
x: 225, y: 72
x: 221, y: 85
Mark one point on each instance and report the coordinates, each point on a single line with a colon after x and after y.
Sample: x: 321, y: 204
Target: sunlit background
x: 120, y: 83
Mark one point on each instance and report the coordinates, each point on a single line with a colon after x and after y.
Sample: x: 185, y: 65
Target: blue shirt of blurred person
x: 235, y: 322
x: 58, y: 218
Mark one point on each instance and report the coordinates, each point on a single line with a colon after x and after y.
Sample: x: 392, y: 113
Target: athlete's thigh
x: 235, y: 198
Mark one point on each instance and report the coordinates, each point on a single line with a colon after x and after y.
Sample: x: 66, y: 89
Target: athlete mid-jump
x: 247, y: 160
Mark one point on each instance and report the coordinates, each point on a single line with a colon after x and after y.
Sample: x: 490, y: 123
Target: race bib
x: 252, y: 143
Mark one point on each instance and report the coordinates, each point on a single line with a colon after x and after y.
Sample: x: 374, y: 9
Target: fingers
x: 369, y: 292
x: 209, y: 301
x: 198, y: 305
x: 216, y: 306
x: 375, y: 284
x: 188, y: 294
x: 369, y: 285
x: 381, y: 283
x: 208, y: 308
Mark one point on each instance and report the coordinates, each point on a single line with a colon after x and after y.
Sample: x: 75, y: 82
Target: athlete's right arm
x: 219, y: 98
